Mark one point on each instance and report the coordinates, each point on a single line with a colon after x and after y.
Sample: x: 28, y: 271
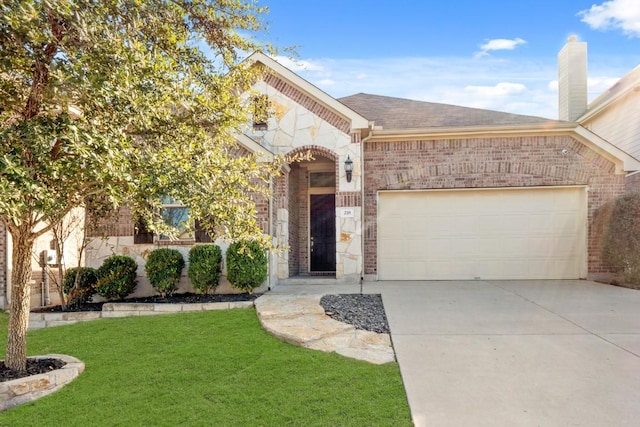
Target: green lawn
x: 215, y: 368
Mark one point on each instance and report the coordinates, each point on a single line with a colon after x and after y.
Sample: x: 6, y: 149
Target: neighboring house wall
x: 527, y: 161
x: 619, y: 124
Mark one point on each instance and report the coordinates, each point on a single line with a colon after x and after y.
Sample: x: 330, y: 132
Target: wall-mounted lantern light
x: 348, y: 168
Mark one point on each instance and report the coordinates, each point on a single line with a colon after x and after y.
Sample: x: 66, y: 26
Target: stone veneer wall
x: 486, y: 162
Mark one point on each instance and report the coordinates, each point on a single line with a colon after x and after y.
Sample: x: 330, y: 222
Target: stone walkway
x: 300, y: 320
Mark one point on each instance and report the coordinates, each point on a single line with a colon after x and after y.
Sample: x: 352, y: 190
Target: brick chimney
x: 572, y: 80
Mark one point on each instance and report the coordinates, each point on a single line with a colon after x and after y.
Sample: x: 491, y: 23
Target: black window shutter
x: 201, y: 235
x: 141, y: 234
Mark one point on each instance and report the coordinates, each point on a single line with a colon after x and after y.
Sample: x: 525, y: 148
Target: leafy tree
x: 111, y: 103
x: 620, y: 232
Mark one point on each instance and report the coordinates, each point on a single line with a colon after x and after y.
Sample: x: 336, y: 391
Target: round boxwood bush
x: 82, y: 293
x: 164, y: 267
x: 246, y: 265
x: 116, y: 277
x: 205, y: 265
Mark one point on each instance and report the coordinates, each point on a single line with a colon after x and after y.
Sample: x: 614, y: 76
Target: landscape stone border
x: 127, y: 309
x: 301, y: 320
x: 22, y: 390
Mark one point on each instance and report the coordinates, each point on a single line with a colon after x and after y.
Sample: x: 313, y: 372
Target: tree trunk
x: 20, y: 300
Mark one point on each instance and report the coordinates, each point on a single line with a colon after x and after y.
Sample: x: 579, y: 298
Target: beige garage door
x: 534, y: 233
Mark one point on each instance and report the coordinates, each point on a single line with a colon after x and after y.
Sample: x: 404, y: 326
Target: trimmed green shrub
x: 205, y: 265
x: 620, y: 249
x: 246, y: 265
x: 87, y: 279
x: 164, y: 267
x: 116, y: 277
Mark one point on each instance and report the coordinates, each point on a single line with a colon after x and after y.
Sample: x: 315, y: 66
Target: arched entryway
x: 312, y: 214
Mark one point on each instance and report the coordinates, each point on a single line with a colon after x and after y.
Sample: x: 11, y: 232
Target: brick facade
x: 486, y: 163
x: 119, y: 224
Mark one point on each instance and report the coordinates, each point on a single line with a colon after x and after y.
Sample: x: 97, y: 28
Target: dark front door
x: 322, y: 224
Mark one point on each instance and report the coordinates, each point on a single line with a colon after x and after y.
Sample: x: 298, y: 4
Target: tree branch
x: 41, y: 70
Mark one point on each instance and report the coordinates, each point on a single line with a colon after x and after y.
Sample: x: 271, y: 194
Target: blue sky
x: 499, y: 55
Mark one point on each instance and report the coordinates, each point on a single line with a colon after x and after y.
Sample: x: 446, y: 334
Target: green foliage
x: 112, y: 103
x: 116, y: 277
x: 246, y: 265
x: 205, y: 265
x: 620, y: 248
x: 164, y: 267
x: 79, y: 284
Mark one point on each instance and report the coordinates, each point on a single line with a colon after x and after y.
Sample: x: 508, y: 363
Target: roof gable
x: 317, y: 96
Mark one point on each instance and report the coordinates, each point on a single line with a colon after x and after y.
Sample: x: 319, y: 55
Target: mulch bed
x: 34, y: 367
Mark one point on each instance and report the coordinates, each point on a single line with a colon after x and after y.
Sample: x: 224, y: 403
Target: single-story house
x: 410, y: 190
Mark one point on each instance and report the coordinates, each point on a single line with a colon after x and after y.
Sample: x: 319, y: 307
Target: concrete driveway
x: 517, y: 353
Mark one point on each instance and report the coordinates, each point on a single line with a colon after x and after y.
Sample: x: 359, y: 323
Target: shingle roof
x: 398, y: 113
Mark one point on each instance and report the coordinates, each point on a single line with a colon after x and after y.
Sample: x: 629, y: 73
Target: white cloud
x: 500, y: 89
x: 326, y: 82
x: 499, y: 44
x: 614, y: 14
x: 296, y: 65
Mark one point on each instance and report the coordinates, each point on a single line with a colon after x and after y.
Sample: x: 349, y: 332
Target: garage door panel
x: 393, y: 227
x: 415, y: 249
x: 486, y: 234
x: 509, y: 245
x: 540, y: 222
x: 392, y: 249
x: 565, y: 223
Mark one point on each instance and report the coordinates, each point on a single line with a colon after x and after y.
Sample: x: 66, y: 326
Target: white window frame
x: 188, y: 230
